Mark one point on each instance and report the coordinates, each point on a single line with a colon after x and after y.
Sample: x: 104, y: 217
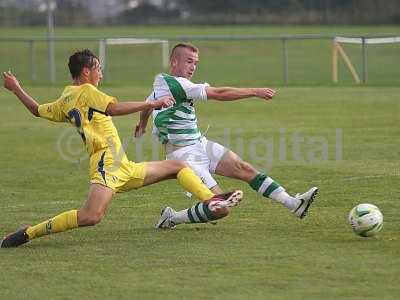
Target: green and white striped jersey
x: 177, y: 125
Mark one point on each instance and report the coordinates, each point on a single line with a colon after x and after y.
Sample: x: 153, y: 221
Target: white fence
x: 285, y: 53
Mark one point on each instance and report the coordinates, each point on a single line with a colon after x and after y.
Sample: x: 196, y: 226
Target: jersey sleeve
x: 97, y: 99
x: 52, y: 111
x: 194, y: 91
x: 151, y: 97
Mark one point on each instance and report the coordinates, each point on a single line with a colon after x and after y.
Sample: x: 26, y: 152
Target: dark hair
x: 185, y: 46
x: 80, y: 60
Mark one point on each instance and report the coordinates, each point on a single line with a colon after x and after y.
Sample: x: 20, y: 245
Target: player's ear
x: 85, y: 72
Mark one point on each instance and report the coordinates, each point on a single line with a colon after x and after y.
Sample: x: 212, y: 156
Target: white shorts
x: 203, y: 157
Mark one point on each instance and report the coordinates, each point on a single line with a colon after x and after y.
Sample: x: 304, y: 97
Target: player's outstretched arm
x: 231, y: 93
x: 126, y: 108
x: 140, y: 128
x: 12, y: 84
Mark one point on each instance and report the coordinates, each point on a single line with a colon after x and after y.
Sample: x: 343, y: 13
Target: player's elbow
x: 220, y: 94
x: 35, y: 111
x: 215, y: 95
x: 112, y: 110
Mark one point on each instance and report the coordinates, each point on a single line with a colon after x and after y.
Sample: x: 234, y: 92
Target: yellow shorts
x: 120, y: 175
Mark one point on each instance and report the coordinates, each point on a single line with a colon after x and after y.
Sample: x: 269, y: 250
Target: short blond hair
x: 184, y: 46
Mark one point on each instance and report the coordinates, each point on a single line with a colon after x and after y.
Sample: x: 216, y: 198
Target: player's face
x: 186, y: 63
x: 95, y: 73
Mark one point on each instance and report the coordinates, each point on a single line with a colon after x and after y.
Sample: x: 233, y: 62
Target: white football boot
x: 306, y: 200
x: 165, y: 221
x: 230, y: 199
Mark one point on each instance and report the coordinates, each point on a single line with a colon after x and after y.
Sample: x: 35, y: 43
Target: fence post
x: 165, y: 54
x: 102, y: 56
x: 364, y: 60
x: 32, y: 59
x: 334, y: 61
x: 50, y: 40
x: 285, y: 61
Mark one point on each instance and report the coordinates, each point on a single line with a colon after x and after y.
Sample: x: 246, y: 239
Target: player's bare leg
x: 90, y: 214
x: 168, y: 169
x: 216, y: 190
x: 96, y: 205
x: 157, y: 171
x: 231, y: 165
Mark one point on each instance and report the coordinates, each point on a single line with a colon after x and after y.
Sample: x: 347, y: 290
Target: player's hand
x: 163, y: 102
x: 265, y: 93
x: 10, y: 81
x: 139, y: 130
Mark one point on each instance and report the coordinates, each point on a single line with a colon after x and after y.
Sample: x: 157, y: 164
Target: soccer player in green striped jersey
x: 176, y: 128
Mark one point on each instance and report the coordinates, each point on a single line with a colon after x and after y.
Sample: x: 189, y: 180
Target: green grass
x: 175, y: 31
x: 222, y: 62
x: 259, y: 252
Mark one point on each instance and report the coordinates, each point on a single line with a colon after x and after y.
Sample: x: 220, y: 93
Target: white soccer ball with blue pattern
x: 366, y: 220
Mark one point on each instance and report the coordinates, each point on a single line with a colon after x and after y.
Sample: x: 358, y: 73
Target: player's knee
x: 95, y: 219
x: 90, y: 219
x: 177, y: 165
x: 243, y: 169
x: 180, y: 164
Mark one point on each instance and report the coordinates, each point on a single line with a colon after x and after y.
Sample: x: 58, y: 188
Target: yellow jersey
x: 85, y: 107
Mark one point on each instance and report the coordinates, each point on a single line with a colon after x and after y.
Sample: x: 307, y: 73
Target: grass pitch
x: 344, y: 140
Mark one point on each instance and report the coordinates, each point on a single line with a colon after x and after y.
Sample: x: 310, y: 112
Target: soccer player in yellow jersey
x: 90, y: 111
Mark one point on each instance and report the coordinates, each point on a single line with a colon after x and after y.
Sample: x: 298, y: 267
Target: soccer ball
x: 366, y: 219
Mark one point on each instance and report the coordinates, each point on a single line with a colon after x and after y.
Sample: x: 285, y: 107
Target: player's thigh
x: 214, y: 152
x: 203, y: 172
x: 231, y: 165
x: 161, y: 170
x: 197, y: 159
x: 97, y: 202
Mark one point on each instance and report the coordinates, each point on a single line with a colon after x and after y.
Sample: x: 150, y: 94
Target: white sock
x: 201, y: 212
x: 288, y: 201
x: 181, y: 217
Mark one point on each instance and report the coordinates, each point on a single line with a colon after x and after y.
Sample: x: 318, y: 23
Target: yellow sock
x: 193, y: 184
x: 62, y: 222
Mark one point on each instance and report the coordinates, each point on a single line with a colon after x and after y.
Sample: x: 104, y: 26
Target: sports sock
x: 271, y: 189
x: 202, y: 212
x: 193, y: 184
x: 62, y: 222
